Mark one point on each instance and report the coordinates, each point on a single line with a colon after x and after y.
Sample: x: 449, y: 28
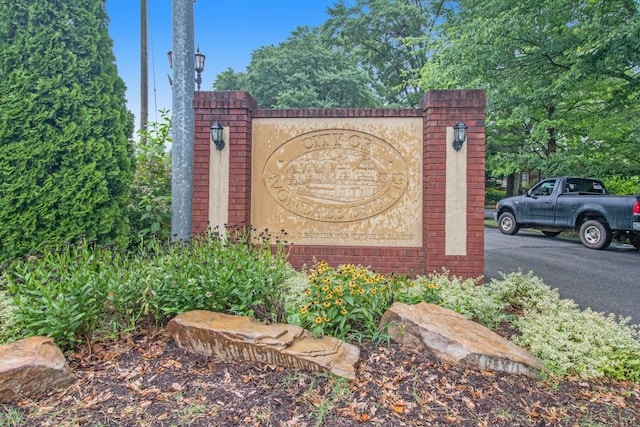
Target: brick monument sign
x: 383, y: 188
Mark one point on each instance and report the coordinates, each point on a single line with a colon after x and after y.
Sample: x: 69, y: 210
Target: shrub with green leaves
x: 8, y: 328
x: 65, y: 157
x: 150, y: 208
x: 60, y: 293
x: 84, y: 292
x: 237, y: 273
x: 567, y: 340
x: 466, y: 297
x: 623, y: 185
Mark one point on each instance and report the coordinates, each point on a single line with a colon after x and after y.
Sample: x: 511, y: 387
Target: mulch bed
x: 146, y: 380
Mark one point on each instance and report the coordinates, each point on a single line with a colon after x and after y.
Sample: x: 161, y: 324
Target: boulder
x: 241, y: 338
x: 30, y: 367
x: 452, y: 338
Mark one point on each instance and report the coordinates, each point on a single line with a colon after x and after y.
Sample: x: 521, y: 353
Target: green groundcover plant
x: 83, y: 292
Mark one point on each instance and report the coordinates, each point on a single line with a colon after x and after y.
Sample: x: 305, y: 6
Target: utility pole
x: 182, y: 119
x: 144, y: 79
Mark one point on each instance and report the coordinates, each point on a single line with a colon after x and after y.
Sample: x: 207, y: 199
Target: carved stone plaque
x: 353, y: 182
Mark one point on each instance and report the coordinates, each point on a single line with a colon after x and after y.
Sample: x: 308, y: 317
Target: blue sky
x: 227, y: 32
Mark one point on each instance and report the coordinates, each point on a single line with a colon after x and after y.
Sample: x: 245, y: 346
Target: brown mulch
x: 147, y: 380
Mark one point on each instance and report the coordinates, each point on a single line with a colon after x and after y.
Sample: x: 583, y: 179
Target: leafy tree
x: 562, y: 79
x: 65, y: 157
x: 391, y: 40
x: 302, y: 72
x: 230, y: 80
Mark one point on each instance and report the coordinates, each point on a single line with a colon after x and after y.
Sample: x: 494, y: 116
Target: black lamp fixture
x: 216, y: 135
x: 199, y: 66
x: 459, y: 135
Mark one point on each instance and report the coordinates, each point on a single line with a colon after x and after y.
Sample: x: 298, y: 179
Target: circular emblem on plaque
x: 336, y: 175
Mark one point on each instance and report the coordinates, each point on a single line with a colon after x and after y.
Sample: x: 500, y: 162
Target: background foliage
x: 150, y: 208
x: 65, y: 158
x: 562, y: 77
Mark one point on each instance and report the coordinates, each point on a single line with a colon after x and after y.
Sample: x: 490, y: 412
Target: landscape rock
x: 241, y: 338
x: 30, y: 367
x: 452, y: 338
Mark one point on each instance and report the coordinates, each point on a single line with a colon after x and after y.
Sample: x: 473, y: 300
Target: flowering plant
x: 352, y: 299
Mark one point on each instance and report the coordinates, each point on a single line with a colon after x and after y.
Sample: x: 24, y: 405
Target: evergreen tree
x: 65, y: 155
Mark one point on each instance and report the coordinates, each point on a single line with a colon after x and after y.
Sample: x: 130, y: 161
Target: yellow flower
x: 329, y: 296
x: 326, y: 304
x: 343, y: 311
x: 325, y: 287
x: 338, y: 302
x: 361, y: 291
x: 307, y: 292
x: 326, y: 319
x: 352, y: 284
x: 374, y: 291
x: 318, y: 319
x: 303, y: 309
x: 325, y: 280
x: 432, y: 286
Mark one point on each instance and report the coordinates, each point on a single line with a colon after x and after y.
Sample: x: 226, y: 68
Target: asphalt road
x: 606, y: 281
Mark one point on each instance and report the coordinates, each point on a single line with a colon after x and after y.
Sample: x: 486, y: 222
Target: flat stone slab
x: 30, y: 367
x: 457, y: 340
x: 242, y: 338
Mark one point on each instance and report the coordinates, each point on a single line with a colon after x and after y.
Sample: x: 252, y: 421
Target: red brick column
x: 234, y: 110
x: 442, y: 109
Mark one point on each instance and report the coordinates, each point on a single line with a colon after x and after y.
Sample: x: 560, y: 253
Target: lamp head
x: 216, y: 135
x: 459, y: 135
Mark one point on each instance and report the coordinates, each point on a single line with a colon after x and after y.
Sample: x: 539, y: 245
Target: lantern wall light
x: 459, y: 135
x: 216, y: 135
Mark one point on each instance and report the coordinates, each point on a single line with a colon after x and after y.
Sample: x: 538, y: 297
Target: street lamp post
x: 198, y: 66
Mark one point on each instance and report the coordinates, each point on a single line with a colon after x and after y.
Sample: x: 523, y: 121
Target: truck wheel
x: 507, y: 224
x: 595, y: 235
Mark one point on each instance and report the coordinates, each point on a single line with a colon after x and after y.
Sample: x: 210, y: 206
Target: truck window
x: 545, y: 188
x: 584, y: 185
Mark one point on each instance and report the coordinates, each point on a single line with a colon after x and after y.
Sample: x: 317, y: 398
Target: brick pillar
x: 234, y: 110
x: 442, y: 109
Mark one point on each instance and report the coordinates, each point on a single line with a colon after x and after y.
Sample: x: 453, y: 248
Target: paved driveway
x: 607, y: 281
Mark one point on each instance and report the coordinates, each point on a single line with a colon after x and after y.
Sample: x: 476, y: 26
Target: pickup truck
x: 566, y: 203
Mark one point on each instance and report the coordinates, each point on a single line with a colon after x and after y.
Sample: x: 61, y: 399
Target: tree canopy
x: 562, y: 80
x: 389, y: 39
x: 302, y: 72
x: 65, y: 157
x: 562, y: 77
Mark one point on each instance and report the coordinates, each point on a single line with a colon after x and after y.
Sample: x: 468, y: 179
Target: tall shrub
x: 65, y: 156
x: 150, y: 212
